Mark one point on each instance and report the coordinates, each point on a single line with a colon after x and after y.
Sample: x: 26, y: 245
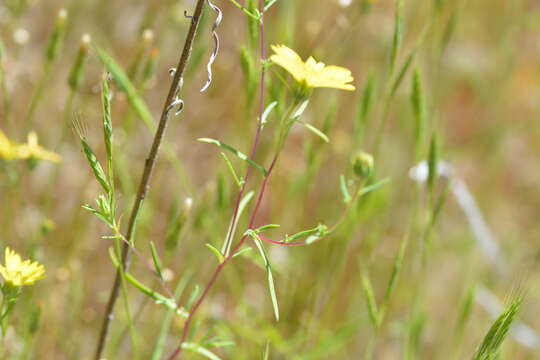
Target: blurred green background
x: 479, y: 66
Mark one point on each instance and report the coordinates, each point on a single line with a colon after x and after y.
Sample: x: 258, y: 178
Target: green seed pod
x: 56, y: 40
x: 250, y: 76
x: 363, y: 165
x: 76, y: 72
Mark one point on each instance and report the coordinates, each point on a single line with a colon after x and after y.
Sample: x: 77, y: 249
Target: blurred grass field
x: 464, y: 75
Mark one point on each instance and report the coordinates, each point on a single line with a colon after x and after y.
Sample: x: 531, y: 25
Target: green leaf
x: 232, y: 226
x: 266, y: 227
x: 396, y: 270
x: 155, y: 259
x: 218, y: 253
x: 344, y: 190
x: 364, y: 107
x: 269, y: 276
x: 398, y: 34
x: 237, y: 179
x: 158, y: 298
x: 123, y: 82
x: 300, y: 110
x: 200, y: 350
x: 239, y: 154
x: 319, y: 230
x: 314, y: 130
x: 268, y: 4
x: 242, y: 252
x: 267, y: 111
x: 367, y: 189
x: 418, y: 106
x: 371, y: 302
x: 404, y: 69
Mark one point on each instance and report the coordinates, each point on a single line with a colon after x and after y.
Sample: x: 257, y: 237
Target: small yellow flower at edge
x: 312, y: 74
x: 31, y: 150
x: 19, y: 273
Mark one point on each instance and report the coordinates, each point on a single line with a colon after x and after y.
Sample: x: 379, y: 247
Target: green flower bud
x: 363, y: 165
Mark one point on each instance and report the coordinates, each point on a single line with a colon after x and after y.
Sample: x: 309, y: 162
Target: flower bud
x: 363, y: 165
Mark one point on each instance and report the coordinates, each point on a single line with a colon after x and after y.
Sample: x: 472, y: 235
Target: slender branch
x: 229, y: 255
x: 144, y: 185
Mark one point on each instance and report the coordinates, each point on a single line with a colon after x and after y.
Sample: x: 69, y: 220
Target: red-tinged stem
x: 256, y: 141
x: 178, y: 351
x: 220, y: 267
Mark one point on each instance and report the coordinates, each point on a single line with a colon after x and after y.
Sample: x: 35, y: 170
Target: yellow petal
x: 289, y: 60
x: 336, y: 77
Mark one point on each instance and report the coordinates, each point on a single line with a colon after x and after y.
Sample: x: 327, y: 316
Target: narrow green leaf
x: 193, y: 297
x: 266, y: 227
x: 158, y: 298
x: 268, y: 4
x: 320, y: 230
x: 465, y: 310
x: 371, y: 302
x: 123, y: 82
x: 267, y: 111
x: 364, y: 107
x: 238, y: 181
x: 344, y: 189
x: 270, y: 277
x: 266, y: 354
x: 367, y: 189
x: 418, y: 106
x: 239, y: 154
x: 216, y: 252
x: 232, y: 226
x: 300, y: 110
x: 242, y: 252
x: 155, y: 259
x: 397, y: 37
x: 396, y: 270
x: 402, y: 73
x: 314, y: 130
x: 200, y: 350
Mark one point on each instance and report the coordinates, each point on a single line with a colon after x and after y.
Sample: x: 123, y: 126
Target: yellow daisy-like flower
x: 311, y: 73
x: 7, y: 148
x: 30, y: 150
x: 19, y: 273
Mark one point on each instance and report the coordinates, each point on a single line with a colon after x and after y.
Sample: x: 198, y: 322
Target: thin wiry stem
x: 178, y: 351
x: 144, y: 185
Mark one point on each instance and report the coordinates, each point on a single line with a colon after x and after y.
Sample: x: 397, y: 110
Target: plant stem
x: 229, y: 255
x: 144, y: 185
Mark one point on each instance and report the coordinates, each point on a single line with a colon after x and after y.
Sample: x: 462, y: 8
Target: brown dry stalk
x: 144, y: 185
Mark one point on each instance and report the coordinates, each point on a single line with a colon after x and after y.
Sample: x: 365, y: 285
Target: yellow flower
x: 311, y: 73
x: 31, y: 150
x: 7, y: 148
x: 17, y: 272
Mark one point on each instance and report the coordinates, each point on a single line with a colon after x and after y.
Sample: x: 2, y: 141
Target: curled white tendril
x: 177, y: 102
x: 214, y: 55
